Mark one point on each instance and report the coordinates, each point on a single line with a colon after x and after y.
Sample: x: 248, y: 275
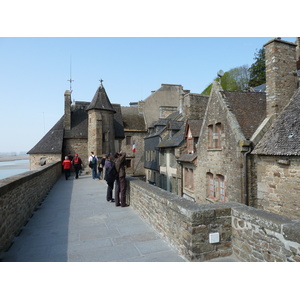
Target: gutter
x: 246, y: 185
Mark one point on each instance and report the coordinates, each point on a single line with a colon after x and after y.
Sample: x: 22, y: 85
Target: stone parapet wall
x: 19, y: 197
x: 249, y: 233
x: 184, y: 224
x: 262, y: 236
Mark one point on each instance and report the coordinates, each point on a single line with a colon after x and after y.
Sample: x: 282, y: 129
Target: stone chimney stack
x: 67, y: 117
x: 298, y: 52
x: 281, y: 79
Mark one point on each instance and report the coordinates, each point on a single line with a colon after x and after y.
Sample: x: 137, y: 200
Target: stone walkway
x: 75, y: 223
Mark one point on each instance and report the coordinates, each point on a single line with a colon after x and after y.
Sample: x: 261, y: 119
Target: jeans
x: 95, y: 172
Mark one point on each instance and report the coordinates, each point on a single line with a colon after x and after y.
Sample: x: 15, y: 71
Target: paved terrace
x: 75, y: 223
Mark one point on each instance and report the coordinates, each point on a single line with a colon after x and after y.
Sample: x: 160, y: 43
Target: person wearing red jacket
x: 67, y: 167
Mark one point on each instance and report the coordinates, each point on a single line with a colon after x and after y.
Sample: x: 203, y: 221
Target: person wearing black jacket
x: 101, y: 166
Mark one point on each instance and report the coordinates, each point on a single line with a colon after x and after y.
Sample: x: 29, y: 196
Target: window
x: 128, y: 140
x: 190, y: 142
x: 221, y: 182
x: 218, y: 135
x: 214, y: 136
x: 128, y: 163
x: 211, y: 186
x: 189, y: 178
x: 210, y: 136
x: 216, y: 187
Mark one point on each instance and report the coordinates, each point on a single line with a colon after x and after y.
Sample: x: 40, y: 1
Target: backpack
x: 94, y: 160
x: 111, y: 173
x: 76, y: 160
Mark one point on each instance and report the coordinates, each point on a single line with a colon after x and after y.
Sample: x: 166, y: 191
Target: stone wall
x: 262, y: 236
x: 278, y: 185
x: 184, y: 224
x: 249, y: 233
x: 39, y: 159
x: 20, y: 195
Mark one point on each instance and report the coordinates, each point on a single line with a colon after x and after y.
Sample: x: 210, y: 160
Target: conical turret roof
x: 101, y: 100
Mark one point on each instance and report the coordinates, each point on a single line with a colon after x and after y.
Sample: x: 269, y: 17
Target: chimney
x: 281, y: 76
x: 67, y: 117
x: 298, y: 52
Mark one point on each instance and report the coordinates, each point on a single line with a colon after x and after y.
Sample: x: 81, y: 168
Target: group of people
x: 68, y: 162
x: 114, y: 166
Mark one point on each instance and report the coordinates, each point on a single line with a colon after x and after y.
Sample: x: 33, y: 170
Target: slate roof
x: 52, y: 141
x: 100, y: 100
x: 118, y: 122
x: 187, y: 157
x: 283, y: 138
x: 260, y: 88
x: 174, y: 141
x: 195, y: 126
x: 132, y: 119
x: 79, y: 124
x: 249, y: 109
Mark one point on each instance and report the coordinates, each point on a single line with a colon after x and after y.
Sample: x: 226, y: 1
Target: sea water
x: 11, y: 168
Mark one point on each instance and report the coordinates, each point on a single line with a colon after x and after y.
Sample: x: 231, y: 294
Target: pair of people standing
x: 115, y: 174
x: 67, y: 164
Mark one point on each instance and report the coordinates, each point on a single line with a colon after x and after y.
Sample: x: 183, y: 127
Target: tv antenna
x: 70, y: 80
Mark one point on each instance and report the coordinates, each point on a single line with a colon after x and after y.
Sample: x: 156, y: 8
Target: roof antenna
x: 101, y: 83
x: 70, y: 75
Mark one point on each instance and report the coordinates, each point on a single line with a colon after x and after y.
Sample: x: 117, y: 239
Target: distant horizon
x: 14, y: 153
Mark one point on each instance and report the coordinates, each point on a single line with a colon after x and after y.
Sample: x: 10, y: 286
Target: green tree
x: 258, y: 69
x: 235, y: 79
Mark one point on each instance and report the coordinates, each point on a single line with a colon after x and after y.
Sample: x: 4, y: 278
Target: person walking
x: 93, y: 162
x: 67, y: 167
x: 77, y: 165
x: 110, y: 176
x: 120, y: 185
x: 101, y: 166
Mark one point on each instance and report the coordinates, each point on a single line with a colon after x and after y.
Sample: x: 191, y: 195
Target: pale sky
x: 37, y: 59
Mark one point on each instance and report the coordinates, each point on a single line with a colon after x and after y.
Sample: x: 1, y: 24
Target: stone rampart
x: 201, y: 232
x: 184, y: 224
x: 259, y: 235
x: 19, y: 197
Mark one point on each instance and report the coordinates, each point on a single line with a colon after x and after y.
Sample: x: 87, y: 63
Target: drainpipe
x: 246, y: 193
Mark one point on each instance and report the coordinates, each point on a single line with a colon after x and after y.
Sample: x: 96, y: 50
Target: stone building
x: 277, y: 153
x: 278, y: 164
x: 230, y: 120
x: 168, y: 164
x: 134, y: 131
x: 85, y: 126
x: 194, y: 107
x: 102, y: 127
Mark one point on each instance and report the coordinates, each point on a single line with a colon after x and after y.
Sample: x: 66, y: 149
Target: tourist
x: 77, y: 165
x: 67, y: 167
x: 120, y: 186
x: 110, y: 176
x: 101, y: 166
x: 93, y: 161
